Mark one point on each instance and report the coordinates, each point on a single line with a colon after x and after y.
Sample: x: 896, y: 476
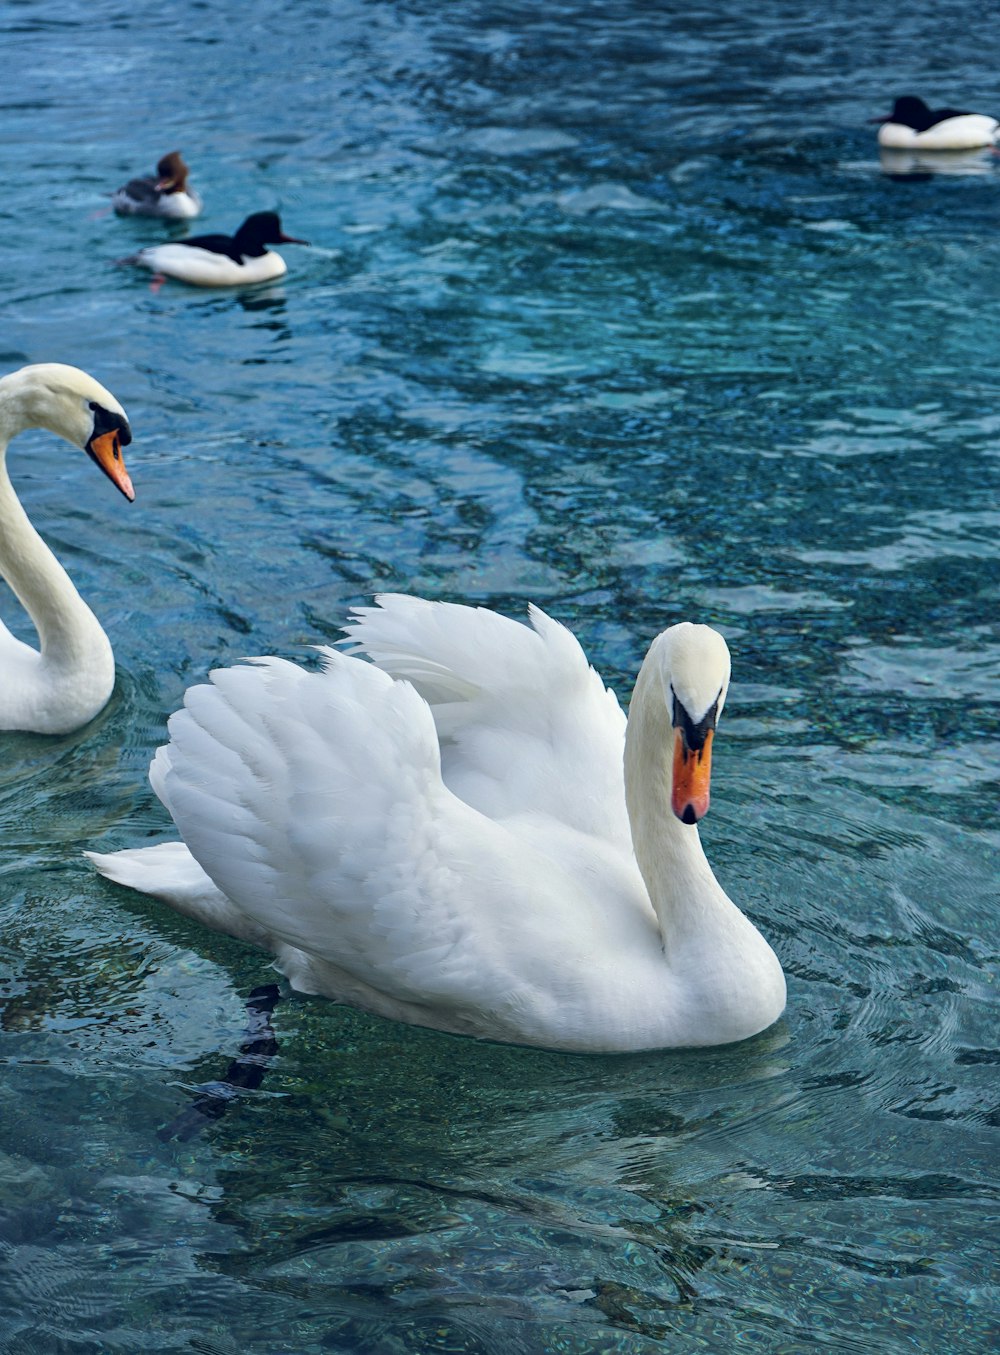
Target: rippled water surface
x: 611, y: 307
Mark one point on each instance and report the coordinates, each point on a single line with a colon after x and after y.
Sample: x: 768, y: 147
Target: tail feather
x: 168, y: 871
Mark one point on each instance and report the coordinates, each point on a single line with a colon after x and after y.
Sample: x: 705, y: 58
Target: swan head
x: 74, y: 406
x: 694, y: 668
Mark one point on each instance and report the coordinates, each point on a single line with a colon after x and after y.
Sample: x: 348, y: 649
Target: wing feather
x: 314, y: 801
x: 526, y: 726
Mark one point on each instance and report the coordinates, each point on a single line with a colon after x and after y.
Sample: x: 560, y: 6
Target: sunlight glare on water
x: 609, y: 307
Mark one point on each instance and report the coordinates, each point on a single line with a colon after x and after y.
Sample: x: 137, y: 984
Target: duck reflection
x: 268, y: 298
x: 922, y: 165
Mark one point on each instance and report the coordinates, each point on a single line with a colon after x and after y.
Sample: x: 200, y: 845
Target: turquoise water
x: 609, y: 307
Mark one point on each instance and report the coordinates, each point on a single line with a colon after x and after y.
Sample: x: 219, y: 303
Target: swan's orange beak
x: 692, y: 774
x: 106, y: 450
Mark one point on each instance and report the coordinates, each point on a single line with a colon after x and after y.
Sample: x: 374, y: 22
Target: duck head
x: 263, y: 228
x: 172, y: 173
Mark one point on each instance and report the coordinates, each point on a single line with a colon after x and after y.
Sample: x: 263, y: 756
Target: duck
x: 453, y: 824
x: 913, y: 126
x: 165, y: 193
x: 62, y: 685
x: 222, y: 260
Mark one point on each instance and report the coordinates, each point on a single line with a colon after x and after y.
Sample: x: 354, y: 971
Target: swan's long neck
x: 70, y: 636
x: 682, y: 888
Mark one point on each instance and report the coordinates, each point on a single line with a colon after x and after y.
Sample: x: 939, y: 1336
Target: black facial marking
x: 694, y: 735
x: 104, y: 422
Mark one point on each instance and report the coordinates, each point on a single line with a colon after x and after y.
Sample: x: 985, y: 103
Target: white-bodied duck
x: 165, y: 193
x: 222, y: 260
x: 466, y: 833
x: 64, y: 683
x: 913, y: 126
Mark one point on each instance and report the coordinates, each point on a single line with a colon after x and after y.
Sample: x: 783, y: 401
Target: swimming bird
x: 63, y: 684
x: 165, y: 193
x: 913, y: 126
x: 466, y: 833
x: 222, y: 260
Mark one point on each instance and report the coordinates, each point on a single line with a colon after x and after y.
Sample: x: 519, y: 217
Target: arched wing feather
x: 527, y: 727
x: 314, y: 801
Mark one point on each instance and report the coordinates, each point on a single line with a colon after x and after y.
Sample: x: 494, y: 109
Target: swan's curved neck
x: 69, y: 634
x: 682, y: 888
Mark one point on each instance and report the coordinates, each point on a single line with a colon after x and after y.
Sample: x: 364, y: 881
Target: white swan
x: 446, y: 836
x: 65, y: 683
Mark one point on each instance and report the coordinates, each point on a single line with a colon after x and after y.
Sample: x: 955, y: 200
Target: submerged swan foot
x: 245, y: 1073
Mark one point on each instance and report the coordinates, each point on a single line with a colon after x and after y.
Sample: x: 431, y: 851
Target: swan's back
x: 314, y: 800
x: 526, y: 726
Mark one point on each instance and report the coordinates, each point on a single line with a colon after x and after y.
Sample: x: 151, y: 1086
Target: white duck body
x: 63, y: 684
x: 964, y: 133
x: 222, y: 260
x: 165, y: 194
x: 442, y: 836
x: 177, y: 206
x: 913, y: 126
x: 204, y: 268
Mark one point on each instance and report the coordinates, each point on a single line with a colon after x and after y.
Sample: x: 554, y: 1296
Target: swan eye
x: 106, y: 421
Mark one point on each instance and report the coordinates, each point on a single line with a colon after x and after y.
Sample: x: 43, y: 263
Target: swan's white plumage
x: 442, y: 838
x: 500, y: 691
x: 64, y: 683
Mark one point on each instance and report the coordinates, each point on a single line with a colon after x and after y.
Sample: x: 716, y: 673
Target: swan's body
x: 164, y: 194
x: 445, y: 836
x: 222, y: 260
x: 913, y: 126
x: 64, y: 683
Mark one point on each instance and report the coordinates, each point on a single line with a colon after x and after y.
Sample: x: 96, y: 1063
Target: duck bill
x: 692, y: 774
x: 284, y: 239
x: 106, y: 450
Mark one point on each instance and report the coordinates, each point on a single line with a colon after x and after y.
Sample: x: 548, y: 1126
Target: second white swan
x: 465, y: 834
x: 64, y: 683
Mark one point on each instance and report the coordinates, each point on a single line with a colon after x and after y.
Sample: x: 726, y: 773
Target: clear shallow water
x: 611, y: 308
